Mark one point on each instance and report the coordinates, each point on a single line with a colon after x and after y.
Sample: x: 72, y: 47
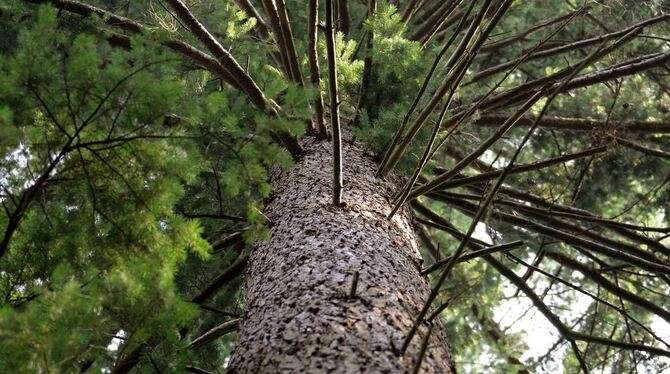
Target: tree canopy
x: 138, y: 140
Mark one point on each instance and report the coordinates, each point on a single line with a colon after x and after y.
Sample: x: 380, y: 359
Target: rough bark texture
x: 299, y: 316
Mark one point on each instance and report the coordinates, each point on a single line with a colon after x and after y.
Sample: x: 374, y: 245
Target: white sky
x: 539, y: 334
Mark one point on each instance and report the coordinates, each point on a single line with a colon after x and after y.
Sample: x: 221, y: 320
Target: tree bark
x: 300, y: 315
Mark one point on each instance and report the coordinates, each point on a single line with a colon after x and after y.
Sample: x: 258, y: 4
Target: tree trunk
x: 300, y: 315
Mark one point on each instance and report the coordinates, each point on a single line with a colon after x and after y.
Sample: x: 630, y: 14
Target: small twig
x: 213, y: 216
x: 422, y: 352
x: 354, y: 285
x: 471, y: 255
x: 439, y: 310
x: 196, y: 370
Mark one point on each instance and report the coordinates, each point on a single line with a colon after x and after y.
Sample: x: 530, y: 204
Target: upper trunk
x: 299, y: 316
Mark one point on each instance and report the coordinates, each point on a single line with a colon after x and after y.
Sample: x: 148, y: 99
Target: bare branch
x: 493, y: 331
x: 575, y: 213
x: 547, y: 86
x: 483, y: 177
x: 399, y: 132
x: 609, y: 286
x: 581, y: 124
x: 522, y: 35
x: 438, y: 181
x: 226, y: 276
x: 334, y: 105
x: 214, y: 333
x: 570, y: 239
x: 246, y: 83
x: 279, y: 22
x: 288, y: 39
x: 589, y: 294
x: 569, y: 47
x: 458, y: 62
x: 315, y: 74
x: 438, y: 19
x: 641, y: 148
x: 566, y: 332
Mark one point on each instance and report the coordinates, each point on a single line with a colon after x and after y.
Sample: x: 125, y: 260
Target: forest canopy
x: 138, y: 141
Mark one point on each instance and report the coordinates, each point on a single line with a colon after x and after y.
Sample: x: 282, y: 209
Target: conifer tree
x: 334, y: 186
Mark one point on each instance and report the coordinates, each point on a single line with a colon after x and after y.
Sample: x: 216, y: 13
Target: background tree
x: 140, y: 142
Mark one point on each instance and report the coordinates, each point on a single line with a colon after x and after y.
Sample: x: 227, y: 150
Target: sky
x: 517, y: 315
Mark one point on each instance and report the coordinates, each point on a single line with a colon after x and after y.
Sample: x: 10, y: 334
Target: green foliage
x: 122, y: 147
x: 99, y: 251
x: 399, y: 67
x: 349, y: 68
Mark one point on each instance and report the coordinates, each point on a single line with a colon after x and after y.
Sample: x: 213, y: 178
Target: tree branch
x: 483, y: 177
x: 315, y: 74
x: 214, y: 333
x: 334, y: 105
x: 245, y: 82
x: 580, y: 124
